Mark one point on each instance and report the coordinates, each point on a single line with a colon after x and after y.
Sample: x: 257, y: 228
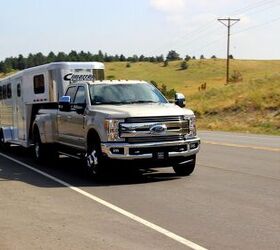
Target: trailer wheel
x: 3, y: 144
x: 185, y: 168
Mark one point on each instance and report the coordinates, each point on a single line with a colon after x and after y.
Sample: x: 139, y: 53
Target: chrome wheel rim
x: 92, y: 159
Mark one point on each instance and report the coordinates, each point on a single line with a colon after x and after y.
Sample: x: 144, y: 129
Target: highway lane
x: 232, y: 201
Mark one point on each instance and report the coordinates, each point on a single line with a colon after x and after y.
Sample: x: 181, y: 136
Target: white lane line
x: 119, y: 210
x: 242, y: 146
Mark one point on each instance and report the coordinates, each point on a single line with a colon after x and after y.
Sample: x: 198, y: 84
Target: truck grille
x: 154, y: 119
x: 154, y: 129
x: 154, y: 139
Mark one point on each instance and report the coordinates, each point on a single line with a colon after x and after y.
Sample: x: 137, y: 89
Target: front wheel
x: 93, y: 160
x: 186, y: 167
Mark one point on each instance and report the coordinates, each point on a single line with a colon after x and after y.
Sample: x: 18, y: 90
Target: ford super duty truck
x: 112, y: 122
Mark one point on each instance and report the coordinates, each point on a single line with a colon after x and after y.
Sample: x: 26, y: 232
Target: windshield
x: 125, y: 93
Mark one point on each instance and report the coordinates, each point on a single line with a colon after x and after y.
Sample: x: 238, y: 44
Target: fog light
x: 193, y: 145
x: 117, y: 151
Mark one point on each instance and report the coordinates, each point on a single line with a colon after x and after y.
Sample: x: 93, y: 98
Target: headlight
x: 112, y: 129
x: 192, y: 126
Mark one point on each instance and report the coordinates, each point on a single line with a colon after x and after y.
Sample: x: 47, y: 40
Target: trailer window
x: 1, y: 92
x: 39, y: 84
x: 4, y: 91
x: 18, y: 90
x: 9, y: 91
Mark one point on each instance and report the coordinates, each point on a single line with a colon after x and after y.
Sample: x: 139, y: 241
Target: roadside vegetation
x: 249, y: 103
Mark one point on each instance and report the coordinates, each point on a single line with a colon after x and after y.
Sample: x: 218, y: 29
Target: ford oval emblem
x: 158, y: 129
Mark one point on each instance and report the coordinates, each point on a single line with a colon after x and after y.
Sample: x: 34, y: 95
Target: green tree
x: 172, y: 55
x: 61, y: 56
x: 184, y: 65
x: 51, y: 57
x: 187, y: 58
x: 21, y: 62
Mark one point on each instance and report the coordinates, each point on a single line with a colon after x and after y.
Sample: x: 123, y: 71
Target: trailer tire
x: 3, y: 144
x: 185, y: 169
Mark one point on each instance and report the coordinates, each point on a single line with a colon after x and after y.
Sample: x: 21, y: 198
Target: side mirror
x: 180, y: 100
x: 64, y: 103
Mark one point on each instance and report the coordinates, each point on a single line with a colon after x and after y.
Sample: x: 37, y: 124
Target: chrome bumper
x: 107, y: 149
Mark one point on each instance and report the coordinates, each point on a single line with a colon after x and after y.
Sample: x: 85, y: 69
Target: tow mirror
x: 64, y: 103
x: 180, y: 100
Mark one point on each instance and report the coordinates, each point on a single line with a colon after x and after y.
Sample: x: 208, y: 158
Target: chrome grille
x: 154, y: 139
x: 152, y: 129
x: 154, y: 119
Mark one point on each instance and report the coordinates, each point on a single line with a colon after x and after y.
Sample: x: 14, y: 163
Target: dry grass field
x: 251, y: 104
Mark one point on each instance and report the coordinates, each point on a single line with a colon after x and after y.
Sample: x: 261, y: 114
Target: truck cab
x: 124, y: 121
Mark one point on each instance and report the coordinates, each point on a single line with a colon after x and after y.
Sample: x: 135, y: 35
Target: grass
x: 251, y: 105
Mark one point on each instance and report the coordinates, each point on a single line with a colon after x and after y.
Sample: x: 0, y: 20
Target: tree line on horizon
x: 32, y: 60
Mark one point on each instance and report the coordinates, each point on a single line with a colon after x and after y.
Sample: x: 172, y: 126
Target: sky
x: 149, y: 27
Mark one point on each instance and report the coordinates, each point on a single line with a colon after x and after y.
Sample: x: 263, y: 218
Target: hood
x: 140, y: 110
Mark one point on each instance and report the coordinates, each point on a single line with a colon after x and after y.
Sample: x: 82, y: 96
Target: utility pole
x: 228, y: 22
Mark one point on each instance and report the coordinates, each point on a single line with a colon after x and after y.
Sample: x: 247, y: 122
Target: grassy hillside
x: 250, y: 105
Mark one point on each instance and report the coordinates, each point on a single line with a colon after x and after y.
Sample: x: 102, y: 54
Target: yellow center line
x: 242, y: 146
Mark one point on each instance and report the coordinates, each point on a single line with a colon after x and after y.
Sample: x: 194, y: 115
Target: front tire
x: 186, y: 167
x: 93, y: 160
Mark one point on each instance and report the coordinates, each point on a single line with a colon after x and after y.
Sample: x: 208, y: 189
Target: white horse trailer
x: 24, y: 93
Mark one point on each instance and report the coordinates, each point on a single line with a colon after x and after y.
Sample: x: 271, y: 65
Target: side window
x: 18, y: 90
x: 71, y: 92
x: 1, y: 92
x: 39, y: 84
x: 4, y: 91
x: 9, y: 91
x: 80, y: 97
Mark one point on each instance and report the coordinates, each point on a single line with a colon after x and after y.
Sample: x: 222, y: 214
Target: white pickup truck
x: 118, y: 121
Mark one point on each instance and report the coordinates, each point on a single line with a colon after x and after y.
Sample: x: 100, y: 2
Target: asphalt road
x: 232, y: 201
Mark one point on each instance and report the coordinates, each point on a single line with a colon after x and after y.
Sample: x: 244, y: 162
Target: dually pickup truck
x: 118, y: 122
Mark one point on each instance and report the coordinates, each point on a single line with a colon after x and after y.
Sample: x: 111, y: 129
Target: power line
x: 257, y: 26
x: 202, y: 31
x: 228, y: 22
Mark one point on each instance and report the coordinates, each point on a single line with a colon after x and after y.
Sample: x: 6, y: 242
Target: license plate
x: 161, y: 155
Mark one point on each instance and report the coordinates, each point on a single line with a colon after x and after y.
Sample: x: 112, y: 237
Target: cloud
x: 169, y: 6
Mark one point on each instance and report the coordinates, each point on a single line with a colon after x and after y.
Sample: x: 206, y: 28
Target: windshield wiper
x: 100, y: 103
x: 125, y: 102
x: 144, y: 101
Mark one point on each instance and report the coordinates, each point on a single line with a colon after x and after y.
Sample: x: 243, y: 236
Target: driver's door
x: 77, y: 120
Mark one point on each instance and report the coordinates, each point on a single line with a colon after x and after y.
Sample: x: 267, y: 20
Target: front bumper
x: 127, y: 151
